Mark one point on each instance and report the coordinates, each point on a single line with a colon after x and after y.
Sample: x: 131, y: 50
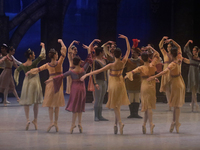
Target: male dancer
x: 133, y: 87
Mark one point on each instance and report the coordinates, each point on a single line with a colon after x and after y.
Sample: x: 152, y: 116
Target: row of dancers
x: 108, y: 66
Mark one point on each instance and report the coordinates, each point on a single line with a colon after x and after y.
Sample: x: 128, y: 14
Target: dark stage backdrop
x: 84, y: 20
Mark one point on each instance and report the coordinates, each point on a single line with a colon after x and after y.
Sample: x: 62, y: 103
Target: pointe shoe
x: 115, y: 129
x: 7, y: 102
x: 144, y: 129
x: 72, y: 128
x: 49, y: 128
x: 172, y: 127
x: 5, y: 105
x: 177, y: 127
x: 151, y: 128
x: 80, y: 128
x: 27, y: 125
x: 121, y: 129
x: 35, y: 124
x: 56, y: 126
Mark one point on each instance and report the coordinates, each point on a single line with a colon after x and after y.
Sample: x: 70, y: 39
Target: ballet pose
x: 148, y: 89
x: 77, y: 98
x: 51, y: 99
x: 133, y: 87
x: 31, y: 89
x: 6, y: 79
x: 164, y: 87
x: 194, y: 74
x: 176, y: 84
x: 117, y: 94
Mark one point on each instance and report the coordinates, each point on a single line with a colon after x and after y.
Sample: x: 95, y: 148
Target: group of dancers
x: 127, y: 80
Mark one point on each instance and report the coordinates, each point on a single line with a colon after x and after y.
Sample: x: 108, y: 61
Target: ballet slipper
x: 27, y: 125
x: 121, y: 128
x: 144, y: 129
x: 177, y: 127
x: 7, y: 102
x: 56, y: 126
x: 35, y: 124
x: 80, y: 128
x: 72, y: 128
x: 172, y: 127
x: 151, y: 128
x: 49, y: 128
x: 5, y: 105
x: 115, y: 129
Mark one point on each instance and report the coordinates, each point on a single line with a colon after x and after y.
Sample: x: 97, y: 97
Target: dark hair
x: 117, y: 52
x: 145, y: 56
x: 174, y: 51
x: 137, y: 50
x: 98, y: 50
x: 73, y: 46
x: 52, y: 52
x: 10, y: 48
x: 171, y: 43
x: 28, y: 53
x: 76, y: 60
x: 197, y: 48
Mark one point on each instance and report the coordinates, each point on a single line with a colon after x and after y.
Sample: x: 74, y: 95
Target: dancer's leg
x: 16, y: 95
x: 5, y: 97
x: 51, y: 119
x: 150, y: 117
x: 79, y: 122
x: 74, y: 115
x: 168, y: 94
x: 56, y: 118
x: 26, y: 109
x: 118, y: 116
x: 35, y: 111
x: 194, y: 99
x: 177, y: 114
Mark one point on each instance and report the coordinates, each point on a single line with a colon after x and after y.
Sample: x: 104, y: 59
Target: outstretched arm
x: 158, y: 75
x: 2, y: 59
x: 128, y: 47
x: 96, y: 71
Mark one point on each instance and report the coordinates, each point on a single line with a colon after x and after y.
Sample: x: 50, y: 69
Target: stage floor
x: 97, y: 135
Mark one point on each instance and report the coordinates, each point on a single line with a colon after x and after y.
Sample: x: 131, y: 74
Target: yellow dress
x: 177, y: 85
x: 117, y: 94
x: 52, y: 99
x: 148, y: 88
x: 165, y: 78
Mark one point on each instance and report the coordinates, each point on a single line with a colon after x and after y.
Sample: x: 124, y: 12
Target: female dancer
x: 193, y: 75
x: 72, y: 51
x: 148, y: 89
x: 77, y: 98
x: 6, y: 80
x: 164, y: 87
x: 31, y: 88
x: 177, y: 85
x: 52, y: 99
x: 117, y: 91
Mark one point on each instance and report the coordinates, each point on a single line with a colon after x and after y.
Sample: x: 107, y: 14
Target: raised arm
x: 91, y: 46
x: 163, y: 51
x: 70, y: 49
x: 128, y: 47
x: 105, y: 48
x: 63, y: 47
x: 43, y: 51
x: 156, y: 56
x: 187, y: 49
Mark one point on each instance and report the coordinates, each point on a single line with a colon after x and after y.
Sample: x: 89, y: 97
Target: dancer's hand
x: 60, y: 40
x: 97, y: 86
x: 151, y: 78
x: 129, y: 75
x: 49, y: 80
x: 97, y: 40
x: 122, y: 36
x: 157, y: 81
x: 190, y: 41
x: 85, y: 46
x: 42, y: 44
x: 27, y: 73
x: 77, y: 42
x: 83, y: 77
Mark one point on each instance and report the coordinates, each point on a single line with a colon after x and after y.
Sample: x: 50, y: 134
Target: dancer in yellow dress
x: 148, y: 89
x: 117, y: 94
x: 51, y: 99
x: 177, y: 85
